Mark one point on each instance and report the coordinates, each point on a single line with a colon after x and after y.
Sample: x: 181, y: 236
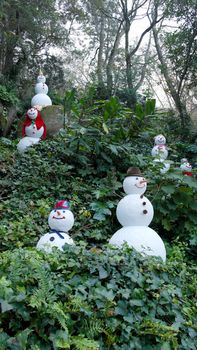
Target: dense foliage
x: 96, y: 299
x: 93, y: 296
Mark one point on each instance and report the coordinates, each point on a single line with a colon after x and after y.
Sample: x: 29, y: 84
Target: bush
x: 96, y: 299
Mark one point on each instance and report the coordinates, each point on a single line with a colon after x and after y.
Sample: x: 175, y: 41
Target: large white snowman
x: 60, y: 221
x: 33, y: 130
x: 41, y: 89
x: 160, y: 152
x: 135, y: 213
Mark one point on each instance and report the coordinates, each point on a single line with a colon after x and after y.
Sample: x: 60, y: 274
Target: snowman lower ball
x: 142, y: 238
x: 60, y: 221
x: 26, y: 142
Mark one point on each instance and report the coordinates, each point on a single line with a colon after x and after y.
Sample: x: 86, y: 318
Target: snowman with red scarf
x: 60, y: 221
x: 33, y: 129
x: 160, y: 153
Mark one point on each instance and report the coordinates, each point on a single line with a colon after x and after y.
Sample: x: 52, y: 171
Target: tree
x: 176, y: 52
x: 27, y: 30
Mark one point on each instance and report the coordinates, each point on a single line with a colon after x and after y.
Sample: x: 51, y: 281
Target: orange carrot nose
x: 143, y: 181
x: 58, y: 213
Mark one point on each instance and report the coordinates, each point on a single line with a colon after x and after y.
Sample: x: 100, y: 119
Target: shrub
x: 96, y: 299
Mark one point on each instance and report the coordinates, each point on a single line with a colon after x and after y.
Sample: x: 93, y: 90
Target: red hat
x: 62, y: 205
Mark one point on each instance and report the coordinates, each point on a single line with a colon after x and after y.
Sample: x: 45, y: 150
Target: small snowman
x: 186, y: 167
x: 135, y: 213
x: 60, y: 221
x: 33, y: 130
x: 160, y: 152
x: 41, y: 90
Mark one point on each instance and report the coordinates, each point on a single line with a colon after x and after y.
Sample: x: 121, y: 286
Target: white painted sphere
x: 144, y: 239
x: 41, y: 78
x: 41, y: 100
x: 32, y: 131
x: 160, y: 140
x: 166, y: 166
x: 26, y: 142
x: 132, y: 210
x: 41, y: 88
x: 61, y: 220
x: 50, y: 240
x: 32, y: 113
x: 159, y: 151
x: 134, y: 185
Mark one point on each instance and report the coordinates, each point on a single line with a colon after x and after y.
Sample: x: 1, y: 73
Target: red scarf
x: 38, y: 122
x: 188, y: 173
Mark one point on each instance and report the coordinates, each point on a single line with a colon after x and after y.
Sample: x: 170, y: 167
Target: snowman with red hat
x: 60, y: 220
x: 135, y: 213
x: 33, y: 129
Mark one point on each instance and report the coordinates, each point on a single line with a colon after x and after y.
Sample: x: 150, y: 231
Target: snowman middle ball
x: 134, y: 210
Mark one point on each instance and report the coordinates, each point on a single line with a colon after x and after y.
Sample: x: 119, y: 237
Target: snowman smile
x: 141, y: 184
x: 54, y: 217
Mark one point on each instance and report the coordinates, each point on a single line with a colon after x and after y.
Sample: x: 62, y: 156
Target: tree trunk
x: 180, y: 106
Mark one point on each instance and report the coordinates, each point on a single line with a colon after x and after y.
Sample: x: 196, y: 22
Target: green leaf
x: 105, y: 128
x: 5, y: 306
x: 102, y: 273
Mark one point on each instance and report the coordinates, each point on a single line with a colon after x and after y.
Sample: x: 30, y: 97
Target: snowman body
x: 60, y: 221
x: 145, y: 240
x: 52, y: 239
x: 33, y: 130
x: 135, y: 212
x: 160, y: 153
x: 41, y: 89
x: 26, y: 142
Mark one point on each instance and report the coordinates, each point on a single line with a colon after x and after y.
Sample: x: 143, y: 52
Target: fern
x: 81, y: 343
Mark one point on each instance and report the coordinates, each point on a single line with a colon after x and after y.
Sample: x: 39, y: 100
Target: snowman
x: 135, y: 213
x: 186, y: 167
x: 41, y: 90
x: 160, y: 152
x: 33, y: 130
x: 60, y: 221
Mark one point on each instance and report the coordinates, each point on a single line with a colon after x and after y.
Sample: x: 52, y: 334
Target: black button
x: 145, y: 211
x: 52, y: 239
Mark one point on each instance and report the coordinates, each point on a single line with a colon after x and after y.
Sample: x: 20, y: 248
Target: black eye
x: 55, y: 210
x: 52, y: 239
x: 136, y: 178
x: 63, y: 211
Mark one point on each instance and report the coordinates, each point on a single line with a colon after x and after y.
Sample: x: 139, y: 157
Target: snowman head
x: 32, y: 113
x: 160, y: 140
x: 41, y: 78
x: 134, y: 183
x: 185, y: 165
x: 61, y: 218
